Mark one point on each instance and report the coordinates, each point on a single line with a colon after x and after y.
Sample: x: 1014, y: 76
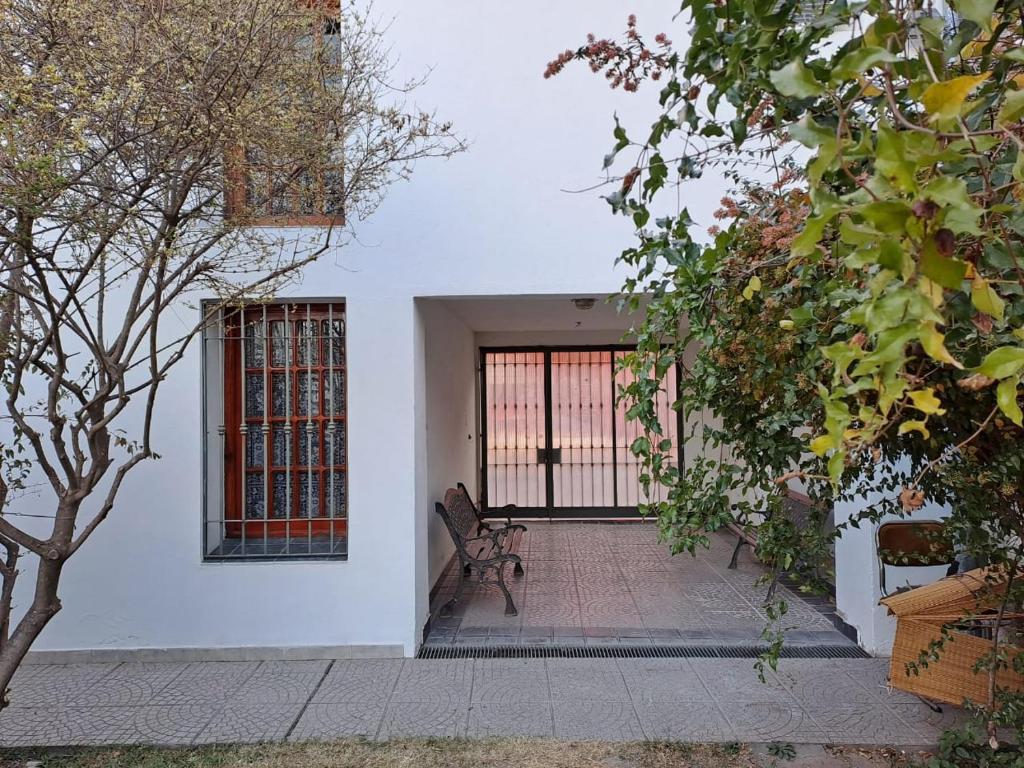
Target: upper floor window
x: 275, y: 194
x: 283, y: 437
x: 263, y: 190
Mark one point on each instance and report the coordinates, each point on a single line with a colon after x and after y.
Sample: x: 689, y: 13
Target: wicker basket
x: 920, y: 615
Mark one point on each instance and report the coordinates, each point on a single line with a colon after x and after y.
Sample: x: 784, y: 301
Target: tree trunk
x: 45, y: 606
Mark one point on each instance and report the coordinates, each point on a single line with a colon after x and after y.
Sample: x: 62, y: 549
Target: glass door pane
x: 515, y: 429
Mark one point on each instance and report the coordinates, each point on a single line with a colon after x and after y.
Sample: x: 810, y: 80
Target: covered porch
x: 608, y: 584
x: 520, y: 407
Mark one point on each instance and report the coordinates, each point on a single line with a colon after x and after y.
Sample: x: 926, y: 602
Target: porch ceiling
x: 538, y: 313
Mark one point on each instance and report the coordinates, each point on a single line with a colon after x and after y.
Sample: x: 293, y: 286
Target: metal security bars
x: 555, y: 442
x: 281, y: 378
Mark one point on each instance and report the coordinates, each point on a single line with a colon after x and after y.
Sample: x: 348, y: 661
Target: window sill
x: 291, y: 222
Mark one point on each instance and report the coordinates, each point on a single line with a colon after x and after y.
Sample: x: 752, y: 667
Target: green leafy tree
x: 857, y: 324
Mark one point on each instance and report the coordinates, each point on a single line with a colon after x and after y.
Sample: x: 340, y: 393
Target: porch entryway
x: 614, y: 584
x: 556, y: 438
x: 520, y: 405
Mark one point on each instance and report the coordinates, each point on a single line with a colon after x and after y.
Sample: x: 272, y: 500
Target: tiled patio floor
x: 809, y: 701
x: 591, y: 584
x: 606, y: 583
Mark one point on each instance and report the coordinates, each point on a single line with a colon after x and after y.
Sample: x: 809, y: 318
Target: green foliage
x: 859, y: 323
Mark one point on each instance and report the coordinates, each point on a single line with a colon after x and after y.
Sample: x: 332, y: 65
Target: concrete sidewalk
x: 809, y: 701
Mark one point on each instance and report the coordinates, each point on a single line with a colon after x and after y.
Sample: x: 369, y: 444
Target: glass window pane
x: 334, y: 438
x: 254, y: 394
x: 309, y: 444
x: 333, y: 332
x: 309, y: 493
x: 282, y: 500
x: 336, y: 495
x: 279, y: 399
x: 254, y: 508
x: 308, y: 389
x: 254, y: 345
x: 334, y: 193
x: 256, y: 184
x: 282, y: 455
x: 254, y: 446
x: 278, y: 344
x: 307, y: 342
x: 334, y: 393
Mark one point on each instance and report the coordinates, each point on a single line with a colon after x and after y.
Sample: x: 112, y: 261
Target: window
x: 270, y: 194
x: 282, y: 386
x: 265, y: 192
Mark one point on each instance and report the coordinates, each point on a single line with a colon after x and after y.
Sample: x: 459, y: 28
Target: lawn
x: 399, y: 754
x: 499, y: 753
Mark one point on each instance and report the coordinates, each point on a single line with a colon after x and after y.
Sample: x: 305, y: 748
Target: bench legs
x: 510, y: 607
x: 446, y: 609
x: 740, y: 541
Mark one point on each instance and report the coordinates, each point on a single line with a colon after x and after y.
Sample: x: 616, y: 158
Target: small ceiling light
x: 584, y: 304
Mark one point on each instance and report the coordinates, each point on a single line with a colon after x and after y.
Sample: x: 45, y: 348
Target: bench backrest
x: 458, y: 515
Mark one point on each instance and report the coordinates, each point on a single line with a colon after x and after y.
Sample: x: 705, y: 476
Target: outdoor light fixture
x: 584, y: 304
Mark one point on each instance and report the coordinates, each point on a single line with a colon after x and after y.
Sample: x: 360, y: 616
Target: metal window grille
x: 282, y: 436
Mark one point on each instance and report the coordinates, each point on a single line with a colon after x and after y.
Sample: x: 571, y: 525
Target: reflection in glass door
x: 556, y: 443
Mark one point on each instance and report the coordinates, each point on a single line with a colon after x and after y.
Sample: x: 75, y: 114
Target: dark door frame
x: 550, y: 511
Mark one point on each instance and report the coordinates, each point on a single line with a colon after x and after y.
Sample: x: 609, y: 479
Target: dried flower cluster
x: 624, y: 64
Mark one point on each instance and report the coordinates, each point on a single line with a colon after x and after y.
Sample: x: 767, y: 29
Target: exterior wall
x: 858, y: 587
x: 451, y: 421
x: 494, y: 221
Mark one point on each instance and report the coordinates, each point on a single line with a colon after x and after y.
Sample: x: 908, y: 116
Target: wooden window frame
x: 236, y: 471
x: 238, y: 177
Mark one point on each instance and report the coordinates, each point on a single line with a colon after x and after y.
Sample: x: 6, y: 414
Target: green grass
x: 503, y: 753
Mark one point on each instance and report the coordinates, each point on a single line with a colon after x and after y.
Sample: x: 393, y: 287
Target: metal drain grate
x: 635, y: 652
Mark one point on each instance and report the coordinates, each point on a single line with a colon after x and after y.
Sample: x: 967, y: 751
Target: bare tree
x: 140, y: 143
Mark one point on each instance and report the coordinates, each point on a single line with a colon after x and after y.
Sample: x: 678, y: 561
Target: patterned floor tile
x: 736, y: 680
x: 520, y: 719
x: 586, y: 680
x: 363, y: 680
x: 281, y: 683
x: 819, y: 683
x: 339, y: 720
x: 665, y: 685
x: 621, y: 576
x: 926, y: 722
x: 439, y: 719
x: 132, y: 684
x: 437, y: 682
x: 684, y: 721
x: 49, y: 727
x: 771, y: 721
x: 599, y: 720
x: 252, y: 723
x: 171, y: 725
x: 205, y: 682
x: 505, y: 681
x: 867, y: 724
x: 58, y: 685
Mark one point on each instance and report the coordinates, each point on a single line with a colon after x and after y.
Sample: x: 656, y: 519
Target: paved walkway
x: 810, y: 701
x: 614, y: 583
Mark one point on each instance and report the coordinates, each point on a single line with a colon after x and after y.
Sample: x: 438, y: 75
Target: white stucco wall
x: 451, y: 421
x: 858, y: 587
x: 493, y: 221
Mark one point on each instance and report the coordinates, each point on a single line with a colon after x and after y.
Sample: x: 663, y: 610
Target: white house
x: 475, y: 259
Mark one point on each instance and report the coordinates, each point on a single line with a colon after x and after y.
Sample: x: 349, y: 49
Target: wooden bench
x: 483, y: 522
x: 486, y: 553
